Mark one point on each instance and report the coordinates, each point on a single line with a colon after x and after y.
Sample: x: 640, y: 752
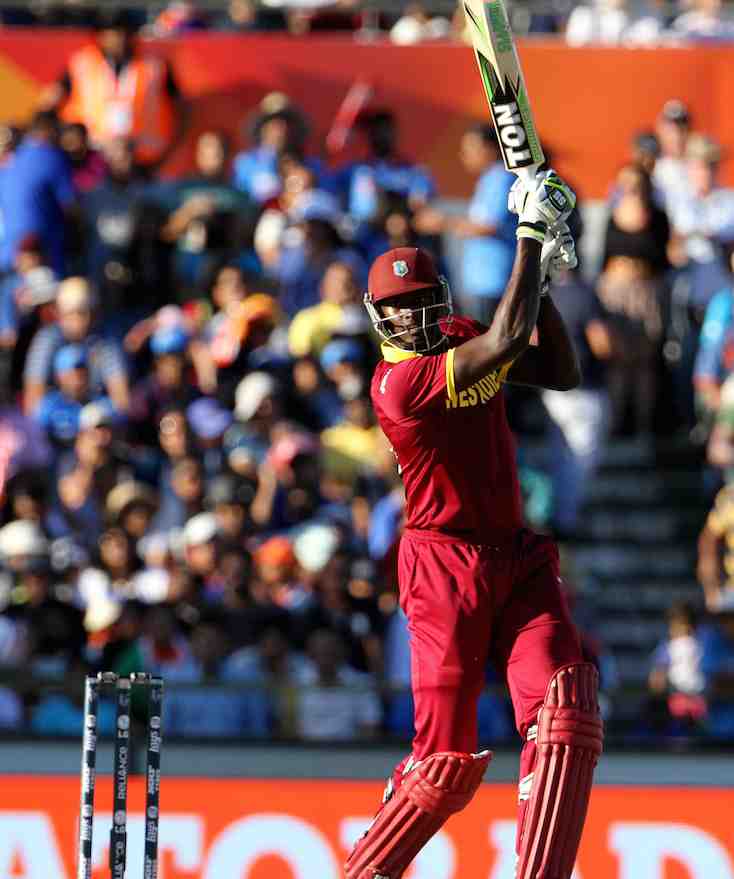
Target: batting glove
x: 557, y: 256
x: 544, y: 203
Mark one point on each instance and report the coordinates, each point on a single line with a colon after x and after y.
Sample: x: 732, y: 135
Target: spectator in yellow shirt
x: 312, y: 328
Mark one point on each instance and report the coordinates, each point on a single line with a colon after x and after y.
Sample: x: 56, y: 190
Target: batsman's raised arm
x: 542, y: 205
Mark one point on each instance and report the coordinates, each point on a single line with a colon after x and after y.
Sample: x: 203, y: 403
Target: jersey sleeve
x: 405, y: 390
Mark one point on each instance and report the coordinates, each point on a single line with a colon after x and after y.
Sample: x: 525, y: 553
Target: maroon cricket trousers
x: 468, y: 603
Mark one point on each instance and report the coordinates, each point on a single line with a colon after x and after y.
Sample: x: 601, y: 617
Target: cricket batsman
x: 476, y: 584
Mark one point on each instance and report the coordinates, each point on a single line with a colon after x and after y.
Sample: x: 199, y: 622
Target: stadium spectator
x: 276, y: 575
x: 209, y: 422
x: 715, y: 355
x: 179, y: 17
x: 717, y: 640
x: 247, y: 15
x: 229, y: 499
x: 75, y: 308
x: 702, y: 211
x: 25, y: 294
x: 715, y: 568
x: 278, y: 127
x: 630, y: 289
x: 236, y: 712
x: 581, y: 418
x: 59, y: 409
x: 613, y: 23
x: 336, y: 702
x: 312, y: 328
x: 109, y: 86
x: 182, y: 497
x: 706, y: 21
x: 130, y: 506
x: 61, y: 712
x: 112, y: 217
x: 206, y: 213
x: 383, y: 170
x: 676, y: 681
x: 163, y: 643
x: 53, y: 628
x: 87, y: 473
x: 672, y: 128
x: 241, y: 325
x: 415, y: 26
x: 303, y: 261
x: 272, y: 665
x: 487, y: 231
x: 299, y: 187
x: 36, y: 194
x: 88, y: 167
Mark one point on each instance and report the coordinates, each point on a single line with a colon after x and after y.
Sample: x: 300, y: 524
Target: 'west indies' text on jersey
x: 455, y: 450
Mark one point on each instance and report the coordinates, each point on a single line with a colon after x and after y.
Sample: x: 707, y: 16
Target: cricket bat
x: 504, y: 85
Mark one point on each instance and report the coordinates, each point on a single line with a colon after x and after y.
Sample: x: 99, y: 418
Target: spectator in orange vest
x: 116, y: 90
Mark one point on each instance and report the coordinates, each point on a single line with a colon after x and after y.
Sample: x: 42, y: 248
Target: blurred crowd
x: 605, y: 22
x: 193, y: 482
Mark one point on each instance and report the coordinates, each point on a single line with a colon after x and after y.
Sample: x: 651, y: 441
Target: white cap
x: 96, y: 414
x: 152, y: 585
x: 21, y: 538
x: 74, y: 294
x: 102, y: 613
x: 200, y: 529
x: 250, y: 393
x: 315, y: 546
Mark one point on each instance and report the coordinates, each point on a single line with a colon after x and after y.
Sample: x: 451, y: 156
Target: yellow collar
x: 393, y: 354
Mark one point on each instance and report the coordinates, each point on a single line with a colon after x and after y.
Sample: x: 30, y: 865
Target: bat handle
x: 527, y: 175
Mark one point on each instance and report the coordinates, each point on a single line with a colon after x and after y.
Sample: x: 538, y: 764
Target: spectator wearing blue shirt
x: 384, y: 171
x: 75, y: 304
x: 36, y: 194
x: 715, y: 357
x: 59, y: 410
x: 302, y: 265
x: 26, y: 297
x: 278, y: 128
x: 488, y: 229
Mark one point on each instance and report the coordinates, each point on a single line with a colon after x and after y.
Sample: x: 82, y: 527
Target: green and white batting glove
x: 544, y: 203
x: 557, y: 256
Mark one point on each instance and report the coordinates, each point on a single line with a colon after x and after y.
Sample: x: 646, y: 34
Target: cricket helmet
x: 402, y: 272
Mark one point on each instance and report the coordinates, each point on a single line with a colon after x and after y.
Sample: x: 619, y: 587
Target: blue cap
x: 171, y: 340
x: 318, y: 205
x: 341, y: 351
x: 70, y: 357
x: 208, y: 418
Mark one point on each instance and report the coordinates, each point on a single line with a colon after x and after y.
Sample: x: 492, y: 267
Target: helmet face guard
x: 427, y: 319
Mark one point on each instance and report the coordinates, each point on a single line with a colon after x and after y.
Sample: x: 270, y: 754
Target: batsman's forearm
x: 556, y: 348
x: 517, y: 312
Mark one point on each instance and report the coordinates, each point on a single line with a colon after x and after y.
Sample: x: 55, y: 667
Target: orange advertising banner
x: 588, y: 102
x: 241, y: 829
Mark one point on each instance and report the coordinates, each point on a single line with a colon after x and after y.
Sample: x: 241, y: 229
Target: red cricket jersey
x: 455, y: 451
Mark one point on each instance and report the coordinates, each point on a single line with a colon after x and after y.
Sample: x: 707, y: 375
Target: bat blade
x: 504, y: 85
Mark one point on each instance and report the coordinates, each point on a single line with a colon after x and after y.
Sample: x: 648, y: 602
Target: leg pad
x: 433, y: 790
x: 569, y: 742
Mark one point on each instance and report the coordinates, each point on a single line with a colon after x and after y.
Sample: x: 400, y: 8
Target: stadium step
x: 647, y: 597
x: 654, y: 525
x: 646, y: 488
x: 622, y: 560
